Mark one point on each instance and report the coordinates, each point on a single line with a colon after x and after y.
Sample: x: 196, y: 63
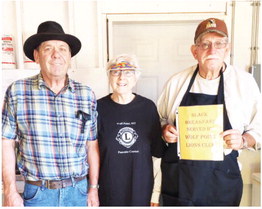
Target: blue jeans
x: 75, y: 195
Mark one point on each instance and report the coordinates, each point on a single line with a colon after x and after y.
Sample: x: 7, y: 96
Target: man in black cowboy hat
x: 53, y: 118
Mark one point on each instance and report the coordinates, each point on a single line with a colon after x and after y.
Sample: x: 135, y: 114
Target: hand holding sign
x: 170, y: 133
x: 233, y: 139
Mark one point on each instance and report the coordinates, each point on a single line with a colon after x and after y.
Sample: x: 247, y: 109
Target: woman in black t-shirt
x: 129, y: 134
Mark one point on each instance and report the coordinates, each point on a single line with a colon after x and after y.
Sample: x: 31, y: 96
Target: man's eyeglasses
x: 207, y: 45
x: 127, y: 73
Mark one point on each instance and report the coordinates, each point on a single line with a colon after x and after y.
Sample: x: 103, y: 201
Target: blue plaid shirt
x: 52, y: 129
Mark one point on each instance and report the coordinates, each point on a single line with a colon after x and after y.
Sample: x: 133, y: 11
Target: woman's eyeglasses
x: 127, y: 73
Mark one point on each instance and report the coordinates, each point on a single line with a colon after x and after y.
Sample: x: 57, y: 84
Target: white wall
x: 87, y: 20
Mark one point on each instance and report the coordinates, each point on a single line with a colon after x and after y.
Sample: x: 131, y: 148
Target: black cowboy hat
x: 50, y: 30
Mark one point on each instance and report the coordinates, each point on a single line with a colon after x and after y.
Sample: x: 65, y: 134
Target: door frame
x: 110, y: 12
x: 151, y: 18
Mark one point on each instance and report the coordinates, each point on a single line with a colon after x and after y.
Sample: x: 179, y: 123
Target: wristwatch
x: 94, y: 186
x: 245, y: 144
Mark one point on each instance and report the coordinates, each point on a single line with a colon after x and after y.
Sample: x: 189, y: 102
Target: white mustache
x: 212, y: 57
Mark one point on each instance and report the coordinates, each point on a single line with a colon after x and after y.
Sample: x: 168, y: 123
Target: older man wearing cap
x: 206, y: 182
x: 53, y: 118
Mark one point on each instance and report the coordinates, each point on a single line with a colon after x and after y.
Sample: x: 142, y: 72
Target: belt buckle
x: 58, y: 184
x: 47, y: 184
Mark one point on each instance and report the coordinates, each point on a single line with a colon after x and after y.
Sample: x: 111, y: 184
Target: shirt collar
x: 41, y: 81
x: 70, y: 83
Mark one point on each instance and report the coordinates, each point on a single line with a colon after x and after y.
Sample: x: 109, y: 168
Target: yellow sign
x: 199, y: 128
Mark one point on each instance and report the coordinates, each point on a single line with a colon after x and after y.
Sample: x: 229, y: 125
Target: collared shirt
x: 52, y: 129
x: 243, y: 104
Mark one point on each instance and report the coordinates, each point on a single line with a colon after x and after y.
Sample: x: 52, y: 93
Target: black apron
x: 196, y: 182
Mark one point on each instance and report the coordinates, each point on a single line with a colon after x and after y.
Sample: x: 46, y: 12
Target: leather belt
x: 56, y: 184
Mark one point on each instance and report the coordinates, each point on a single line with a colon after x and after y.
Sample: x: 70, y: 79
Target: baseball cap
x: 211, y: 25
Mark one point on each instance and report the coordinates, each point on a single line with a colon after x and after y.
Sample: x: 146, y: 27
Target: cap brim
x: 34, y: 41
x: 211, y: 31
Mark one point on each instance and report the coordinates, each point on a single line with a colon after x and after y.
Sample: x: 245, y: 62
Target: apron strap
x: 190, y: 85
x: 221, y: 100
x: 220, y: 93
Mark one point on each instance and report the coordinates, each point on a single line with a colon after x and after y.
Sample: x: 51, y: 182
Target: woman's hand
x: 152, y: 204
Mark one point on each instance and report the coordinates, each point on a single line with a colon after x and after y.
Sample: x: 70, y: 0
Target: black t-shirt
x: 128, y: 135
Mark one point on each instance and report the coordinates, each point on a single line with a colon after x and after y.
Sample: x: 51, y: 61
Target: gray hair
x: 131, y: 59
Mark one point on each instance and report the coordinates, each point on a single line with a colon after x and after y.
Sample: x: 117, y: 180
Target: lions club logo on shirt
x: 126, y: 137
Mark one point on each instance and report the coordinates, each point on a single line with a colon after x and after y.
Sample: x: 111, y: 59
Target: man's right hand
x: 170, y: 133
x: 11, y: 196
x: 13, y: 200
